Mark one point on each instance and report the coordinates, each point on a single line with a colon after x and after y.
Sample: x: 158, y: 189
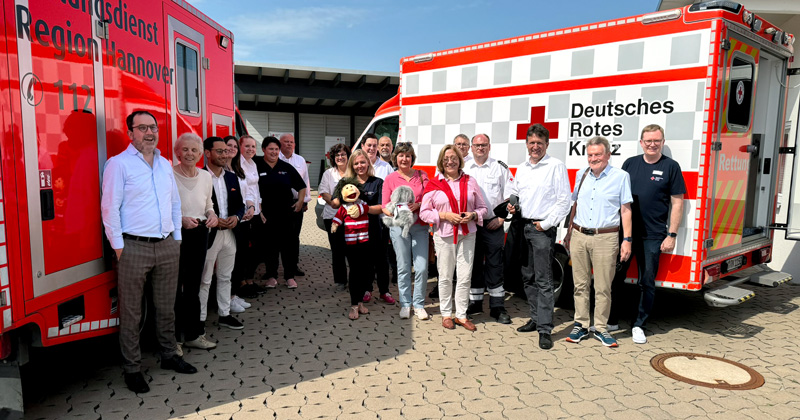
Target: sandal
x: 353, y: 313
x: 362, y: 309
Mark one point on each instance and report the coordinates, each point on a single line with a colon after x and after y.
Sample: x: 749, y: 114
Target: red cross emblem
x: 740, y: 92
x: 537, y: 116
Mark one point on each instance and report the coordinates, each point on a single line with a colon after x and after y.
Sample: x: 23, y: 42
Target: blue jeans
x: 411, y: 250
x: 647, y: 256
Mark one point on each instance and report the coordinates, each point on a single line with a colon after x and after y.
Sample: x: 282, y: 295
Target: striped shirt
x: 355, y: 230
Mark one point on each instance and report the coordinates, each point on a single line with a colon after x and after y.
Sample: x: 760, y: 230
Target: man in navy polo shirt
x: 658, y: 188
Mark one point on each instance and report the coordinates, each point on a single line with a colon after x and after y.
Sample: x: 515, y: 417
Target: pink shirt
x: 437, y: 201
x: 416, y: 183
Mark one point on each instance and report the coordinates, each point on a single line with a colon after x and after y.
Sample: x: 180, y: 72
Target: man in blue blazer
x: 229, y: 206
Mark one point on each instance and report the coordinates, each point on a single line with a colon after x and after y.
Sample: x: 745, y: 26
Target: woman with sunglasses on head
x: 453, y: 204
x: 338, y: 155
x: 411, y: 250
x: 242, y: 278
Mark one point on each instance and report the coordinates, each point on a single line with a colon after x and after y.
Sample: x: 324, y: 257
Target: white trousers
x: 223, y: 253
x: 460, y: 255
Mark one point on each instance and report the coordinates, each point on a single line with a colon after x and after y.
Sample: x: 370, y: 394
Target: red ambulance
x: 713, y: 74
x: 72, y: 71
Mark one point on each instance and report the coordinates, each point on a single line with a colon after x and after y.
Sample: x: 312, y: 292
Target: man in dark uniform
x: 276, y: 179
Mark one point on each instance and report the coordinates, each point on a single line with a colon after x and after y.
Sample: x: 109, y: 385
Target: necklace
x: 184, y: 173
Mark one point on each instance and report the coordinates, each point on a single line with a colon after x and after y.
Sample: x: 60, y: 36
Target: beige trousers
x: 460, y: 256
x: 596, y: 253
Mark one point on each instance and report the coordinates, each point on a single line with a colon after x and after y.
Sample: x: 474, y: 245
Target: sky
x: 375, y: 35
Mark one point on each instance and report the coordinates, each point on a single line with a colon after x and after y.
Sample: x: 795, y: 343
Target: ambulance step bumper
x: 766, y: 276
x: 727, y: 296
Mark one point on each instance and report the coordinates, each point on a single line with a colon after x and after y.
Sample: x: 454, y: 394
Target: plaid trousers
x: 138, y: 259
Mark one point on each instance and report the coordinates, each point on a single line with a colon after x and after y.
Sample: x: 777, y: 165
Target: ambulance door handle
x: 48, y: 204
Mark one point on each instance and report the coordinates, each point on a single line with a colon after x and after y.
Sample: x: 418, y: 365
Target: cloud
x: 288, y: 26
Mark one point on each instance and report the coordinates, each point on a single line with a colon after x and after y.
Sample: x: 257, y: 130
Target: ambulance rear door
x: 745, y: 156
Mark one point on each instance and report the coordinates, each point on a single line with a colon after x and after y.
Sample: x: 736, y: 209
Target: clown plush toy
x: 352, y: 213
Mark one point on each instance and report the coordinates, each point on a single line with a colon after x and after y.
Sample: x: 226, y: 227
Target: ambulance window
x: 387, y: 127
x: 740, y: 94
x: 188, y: 95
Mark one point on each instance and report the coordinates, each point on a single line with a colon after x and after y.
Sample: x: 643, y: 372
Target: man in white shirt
x: 462, y: 143
x: 370, y: 146
x: 288, y: 155
x: 542, y: 185
x: 487, y: 271
x: 229, y: 205
x: 141, y: 211
x: 385, y: 148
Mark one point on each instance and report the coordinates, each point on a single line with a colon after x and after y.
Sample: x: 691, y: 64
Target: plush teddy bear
x: 352, y: 213
x: 403, y: 217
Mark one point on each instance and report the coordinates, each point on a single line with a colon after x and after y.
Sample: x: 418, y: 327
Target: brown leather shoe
x: 466, y: 323
x: 447, y: 322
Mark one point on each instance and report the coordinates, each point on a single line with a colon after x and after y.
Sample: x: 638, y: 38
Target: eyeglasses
x: 220, y: 151
x: 480, y: 146
x: 143, y: 128
x: 341, y: 155
x: 652, y: 142
x: 403, y: 143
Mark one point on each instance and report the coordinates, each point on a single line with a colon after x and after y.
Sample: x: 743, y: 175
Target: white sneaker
x: 612, y: 327
x: 421, y: 314
x: 405, y: 312
x: 638, y: 335
x: 236, y: 308
x: 202, y: 343
x: 243, y: 303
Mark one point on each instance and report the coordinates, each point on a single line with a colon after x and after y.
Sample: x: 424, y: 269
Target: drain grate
x: 708, y: 371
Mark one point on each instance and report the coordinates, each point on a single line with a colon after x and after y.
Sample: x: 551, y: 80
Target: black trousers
x: 338, y: 262
x: 194, y: 246
x: 380, y: 267
x: 249, y: 251
x: 297, y: 226
x: 361, y: 273
x: 280, y: 243
x: 487, y: 270
x: 391, y: 258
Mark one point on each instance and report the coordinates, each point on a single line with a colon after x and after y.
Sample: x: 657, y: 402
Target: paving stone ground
x: 300, y: 357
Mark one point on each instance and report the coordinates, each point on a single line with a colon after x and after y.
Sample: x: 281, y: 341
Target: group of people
x: 182, y: 225
x: 611, y: 214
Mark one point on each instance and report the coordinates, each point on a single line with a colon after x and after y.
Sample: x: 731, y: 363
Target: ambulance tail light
x: 712, y: 273
x: 762, y: 256
x: 662, y: 16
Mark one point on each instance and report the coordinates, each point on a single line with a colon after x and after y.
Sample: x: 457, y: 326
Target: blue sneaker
x: 606, y: 339
x: 578, y: 333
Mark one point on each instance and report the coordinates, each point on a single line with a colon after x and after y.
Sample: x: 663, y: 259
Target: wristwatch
x: 673, y: 234
x: 628, y: 238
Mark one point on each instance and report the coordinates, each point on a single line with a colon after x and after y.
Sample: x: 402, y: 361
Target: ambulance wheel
x: 562, y: 279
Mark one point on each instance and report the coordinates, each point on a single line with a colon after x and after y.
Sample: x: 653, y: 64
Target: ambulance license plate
x: 733, y: 264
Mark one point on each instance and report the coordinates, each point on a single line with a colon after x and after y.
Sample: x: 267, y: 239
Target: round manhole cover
x: 705, y: 370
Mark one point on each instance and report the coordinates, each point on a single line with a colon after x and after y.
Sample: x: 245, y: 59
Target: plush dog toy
x: 352, y: 213
x: 402, y: 216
